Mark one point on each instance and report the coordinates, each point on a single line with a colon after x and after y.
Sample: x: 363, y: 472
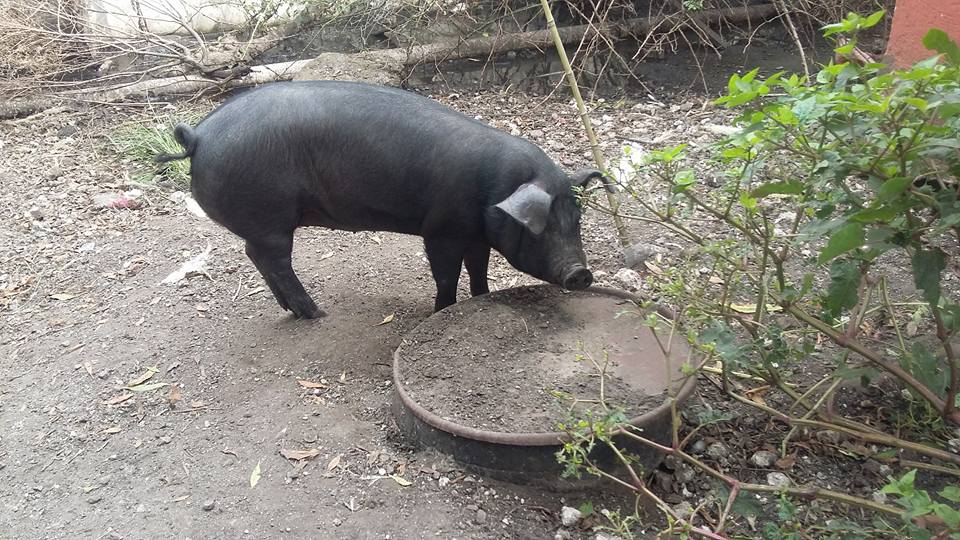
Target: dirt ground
x: 83, y: 313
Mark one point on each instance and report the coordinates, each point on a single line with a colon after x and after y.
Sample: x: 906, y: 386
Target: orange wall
x: 912, y: 19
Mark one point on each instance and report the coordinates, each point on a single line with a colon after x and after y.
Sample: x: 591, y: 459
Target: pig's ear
x: 530, y: 205
x: 581, y: 177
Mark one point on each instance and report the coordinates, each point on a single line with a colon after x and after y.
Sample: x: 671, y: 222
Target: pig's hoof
x: 306, y: 310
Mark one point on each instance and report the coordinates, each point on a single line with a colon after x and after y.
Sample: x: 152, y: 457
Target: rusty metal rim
x: 528, y: 438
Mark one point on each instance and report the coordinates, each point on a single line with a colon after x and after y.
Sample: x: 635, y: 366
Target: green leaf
x: 902, y: 486
x: 938, y: 40
x: 789, y: 187
x: 873, y: 19
x: 951, y: 493
x: 842, y: 293
x: 893, y: 187
x: 586, y: 509
x: 949, y: 516
x: 920, y: 362
x: 927, y: 265
x: 844, y: 239
x: 881, y: 214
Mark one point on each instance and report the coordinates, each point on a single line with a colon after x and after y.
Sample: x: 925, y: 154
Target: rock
x: 481, y: 516
x: 605, y: 536
x: 35, y: 213
x: 570, y: 516
x: 663, y: 480
x: 684, y: 473
x: 778, y: 479
x: 94, y: 499
x: 165, y: 440
x: 698, y: 447
x: 635, y: 255
x: 562, y: 534
x: 763, y: 459
x: 628, y: 279
x: 209, y: 504
x: 535, y: 133
x: 879, y: 497
x: 337, y: 522
x: 54, y: 173
x: 671, y: 462
x: 885, y: 470
x: 718, y: 451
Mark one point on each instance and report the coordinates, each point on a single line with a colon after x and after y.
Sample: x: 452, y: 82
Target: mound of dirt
x: 520, y: 360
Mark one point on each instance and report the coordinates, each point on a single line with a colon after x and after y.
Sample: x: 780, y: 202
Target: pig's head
x: 537, y: 229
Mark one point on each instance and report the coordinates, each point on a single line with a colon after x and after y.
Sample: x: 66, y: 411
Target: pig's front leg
x: 446, y: 259
x: 476, y: 259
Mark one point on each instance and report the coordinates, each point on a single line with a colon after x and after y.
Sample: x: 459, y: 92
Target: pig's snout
x: 576, y: 277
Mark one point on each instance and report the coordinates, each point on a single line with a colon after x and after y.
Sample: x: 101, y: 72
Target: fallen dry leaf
x: 174, y: 396
x: 654, y: 269
x: 752, y: 308
x: 147, y: 387
x: 326, y: 255
x: 299, y: 454
x: 145, y: 377
x: 310, y: 384
x: 786, y: 462
x: 111, y: 430
x: 87, y: 367
x: 116, y: 400
x: 198, y: 404
x: 255, y: 475
x: 386, y: 320
x: 63, y: 296
x: 401, y: 480
x: 334, y: 463
x: 343, y: 377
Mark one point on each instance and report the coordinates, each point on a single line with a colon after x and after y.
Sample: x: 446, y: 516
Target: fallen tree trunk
x: 387, y: 66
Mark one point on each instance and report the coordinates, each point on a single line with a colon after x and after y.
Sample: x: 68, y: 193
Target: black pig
x: 355, y: 157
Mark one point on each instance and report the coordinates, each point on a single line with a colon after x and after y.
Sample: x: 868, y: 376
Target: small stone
x: 763, y: 459
x: 879, y: 497
x: 337, y: 522
x: 481, y: 516
x: 635, y: 255
x: 535, y: 133
x: 885, y: 470
x: 829, y: 437
x: 683, y: 509
x: 165, y: 440
x: 67, y: 131
x: 570, y: 516
x: 54, y: 173
x: 628, y: 279
x: 698, y: 447
x: 671, y: 462
x: 605, y: 536
x: 209, y: 504
x: 718, y: 451
x: 778, y: 479
x: 562, y: 534
x: 94, y: 499
x: 35, y: 213
x: 953, y: 445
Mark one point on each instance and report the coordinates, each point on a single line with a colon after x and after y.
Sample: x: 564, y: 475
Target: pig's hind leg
x: 272, y: 257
